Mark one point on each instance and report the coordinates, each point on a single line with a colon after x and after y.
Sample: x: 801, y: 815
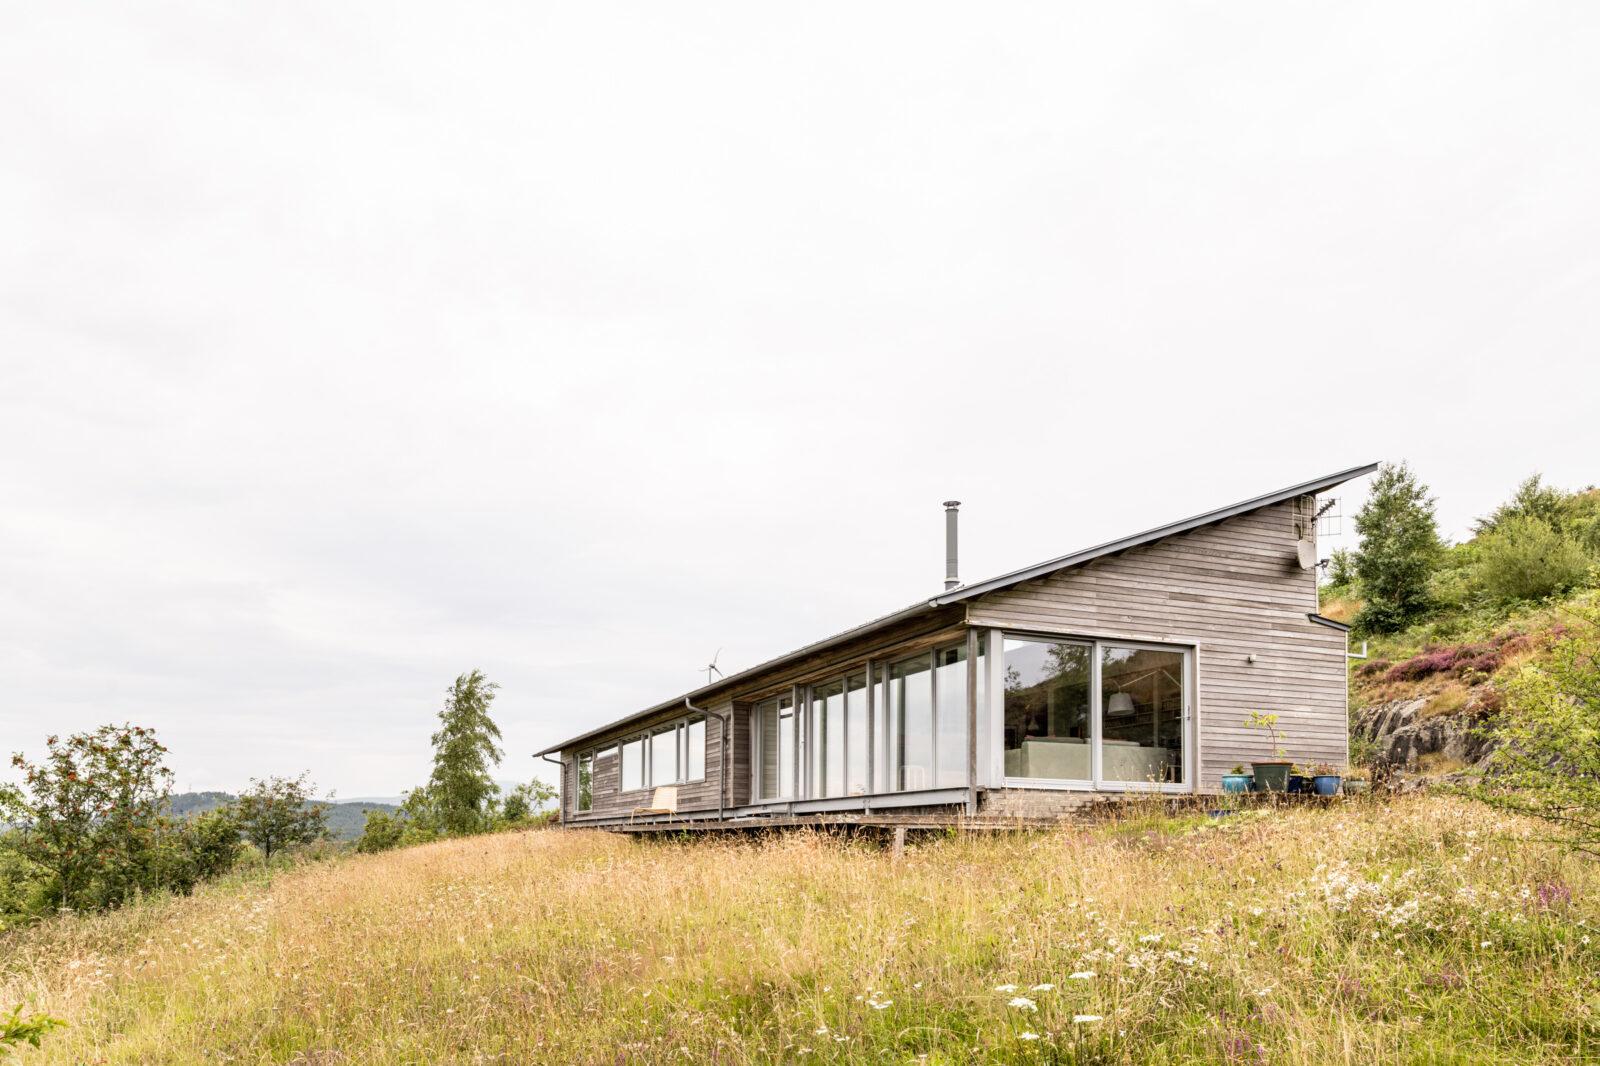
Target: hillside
x: 1420, y: 930
x: 345, y: 820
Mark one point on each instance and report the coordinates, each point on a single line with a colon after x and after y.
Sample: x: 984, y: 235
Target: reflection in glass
x: 775, y: 725
x: 633, y: 765
x: 950, y: 683
x: 1047, y: 729
x: 586, y: 781
x: 855, y: 713
x: 1142, y: 715
x: 664, y: 756
x: 694, y: 741
x: 911, y: 708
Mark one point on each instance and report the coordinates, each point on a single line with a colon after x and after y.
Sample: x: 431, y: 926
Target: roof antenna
x: 712, y: 666
x: 950, y: 579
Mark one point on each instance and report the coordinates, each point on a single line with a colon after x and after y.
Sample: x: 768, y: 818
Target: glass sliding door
x: 1142, y: 707
x: 827, y: 738
x: 855, y: 735
x: 1048, y: 731
x: 950, y: 689
x: 911, y: 709
x: 775, y: 738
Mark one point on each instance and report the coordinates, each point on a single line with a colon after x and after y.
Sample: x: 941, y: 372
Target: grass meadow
x: 1422, y: 929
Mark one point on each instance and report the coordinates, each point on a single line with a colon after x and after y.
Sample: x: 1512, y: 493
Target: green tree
x: 1548, y: 764
x: 465, y: 751
x: 526, y: 800
x: 1533, y: 499
x: 1400, y: 546
x: 1342, y: 568
x: 91, y: 814
x: 278, y: 813
x: 1526, y: 558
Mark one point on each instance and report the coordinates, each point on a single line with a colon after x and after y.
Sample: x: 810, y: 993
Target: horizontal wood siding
x: 608, y: 800
x: 1234, y: 589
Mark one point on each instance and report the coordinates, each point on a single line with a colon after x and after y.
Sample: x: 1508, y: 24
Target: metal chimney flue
x: 950, y: 579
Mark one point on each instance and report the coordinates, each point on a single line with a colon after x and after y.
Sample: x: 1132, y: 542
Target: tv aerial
x: 712, y: 667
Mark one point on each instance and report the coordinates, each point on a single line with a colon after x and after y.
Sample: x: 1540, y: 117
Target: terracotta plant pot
x: 1272, y: 776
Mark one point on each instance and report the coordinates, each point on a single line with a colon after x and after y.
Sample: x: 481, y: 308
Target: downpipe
x: 725, y: 742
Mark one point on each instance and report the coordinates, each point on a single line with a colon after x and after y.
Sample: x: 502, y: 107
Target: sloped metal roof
x: 967, y: 592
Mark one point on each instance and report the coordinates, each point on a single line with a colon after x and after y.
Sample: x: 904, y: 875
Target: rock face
x: 1402, y: 737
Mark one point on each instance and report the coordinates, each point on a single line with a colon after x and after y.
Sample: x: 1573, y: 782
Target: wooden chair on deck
x: 663, y: 801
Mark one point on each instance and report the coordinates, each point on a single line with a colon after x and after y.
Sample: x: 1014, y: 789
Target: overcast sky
x: 344, y: 349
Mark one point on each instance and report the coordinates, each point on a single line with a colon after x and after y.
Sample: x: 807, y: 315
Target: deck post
x: 899, y: 842
x: 972, y: 722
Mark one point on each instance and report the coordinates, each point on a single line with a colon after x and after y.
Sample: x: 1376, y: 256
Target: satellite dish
x: 1306, y: 549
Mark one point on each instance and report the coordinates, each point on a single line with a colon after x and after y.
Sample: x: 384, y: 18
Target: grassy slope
x: 1425, y: 930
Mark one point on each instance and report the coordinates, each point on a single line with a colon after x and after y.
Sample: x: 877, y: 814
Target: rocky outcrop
x: 1402, y: 735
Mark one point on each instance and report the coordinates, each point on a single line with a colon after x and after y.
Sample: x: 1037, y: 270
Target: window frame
x: 679, y: 726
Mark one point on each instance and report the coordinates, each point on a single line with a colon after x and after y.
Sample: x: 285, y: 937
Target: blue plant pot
x: 1298, y: 783
x: 1236, y: 782
x: 1326, y: 784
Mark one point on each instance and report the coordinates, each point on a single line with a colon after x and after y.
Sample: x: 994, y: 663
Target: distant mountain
x: 346, y: 819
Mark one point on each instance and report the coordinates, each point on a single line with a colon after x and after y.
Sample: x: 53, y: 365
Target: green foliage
x: 465, y: 752
x: 92, y: 814
x: 1400, y: 548
x: 524, y: 803
x: 1532, y: 499
x: 1549, y: 765
x: 417, y: 821
x: 1526, y: 558
x: 16, y: 1030
x: 1342, y: 568
x: 197, y: 849
x: 278, y: 813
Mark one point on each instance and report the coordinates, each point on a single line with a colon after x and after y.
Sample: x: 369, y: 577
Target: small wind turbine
x: 712, y: 667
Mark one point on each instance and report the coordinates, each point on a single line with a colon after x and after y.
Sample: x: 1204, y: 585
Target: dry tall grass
x: 1426, y: 930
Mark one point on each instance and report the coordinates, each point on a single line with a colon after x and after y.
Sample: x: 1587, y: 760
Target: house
x: 1129, y: 667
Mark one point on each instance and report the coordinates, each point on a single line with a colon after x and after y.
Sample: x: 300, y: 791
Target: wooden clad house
x: 1129, y: 667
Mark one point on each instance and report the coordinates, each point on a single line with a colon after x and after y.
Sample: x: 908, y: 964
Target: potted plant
x: 1356, y: 782
x: 1272, y: 775
x: 1299, y: 779
x: 1325, y: 780
x: 1236, y: 781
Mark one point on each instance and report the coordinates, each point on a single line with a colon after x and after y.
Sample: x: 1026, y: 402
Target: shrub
x: 1527, y: 559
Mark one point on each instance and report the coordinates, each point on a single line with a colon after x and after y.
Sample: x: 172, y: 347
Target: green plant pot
x: 1236, y: 782
x: 1272, y: 776
x: 1352, y: 788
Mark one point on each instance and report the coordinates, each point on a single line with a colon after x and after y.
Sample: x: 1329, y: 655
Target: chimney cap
x: 952, y: 503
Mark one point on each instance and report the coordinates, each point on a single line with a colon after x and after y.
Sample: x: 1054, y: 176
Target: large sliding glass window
x: 633, y: 777
x: 669, y: 755
x: 827, y: 740
x: 911, y: 708
x: 1141, y: 732
x: 776, y: 735
x: 950, y: 690
x: 1047, y: 728
x: 855, y: 735
x: 1066, y: 721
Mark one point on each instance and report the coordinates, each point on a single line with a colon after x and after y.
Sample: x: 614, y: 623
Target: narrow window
x: 694, y: 743
x: 586, y: 781
x: 633, y: 765
x: 664, y: 756
x: 855, y: 716
x: 911, y: 708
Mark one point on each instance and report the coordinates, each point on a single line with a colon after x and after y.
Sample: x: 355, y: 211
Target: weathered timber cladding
x: 915, y: 636
x: 605, y: 787
x: 1233, y: 590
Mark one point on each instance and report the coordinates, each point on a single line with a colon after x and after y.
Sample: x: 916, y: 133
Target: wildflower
x: 877, y: 1004
x: 1025, y: 1035
x: 1005, y: 988
x: 1085, y: 1019
x: 1022, y: 1003
x: 1042, y: 988
x: 822, y: 1030
x: 1083, y: 975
